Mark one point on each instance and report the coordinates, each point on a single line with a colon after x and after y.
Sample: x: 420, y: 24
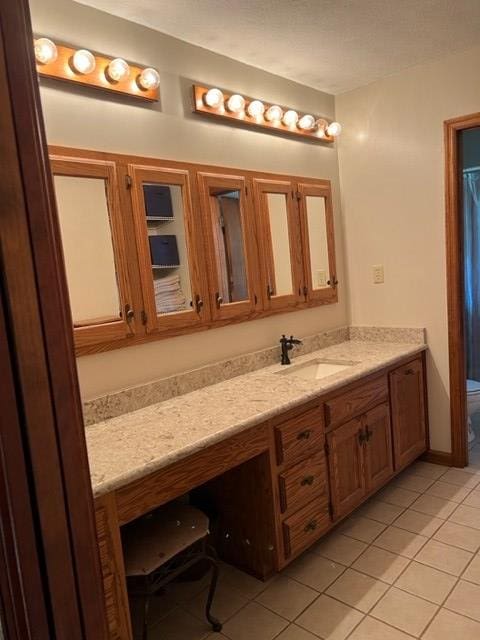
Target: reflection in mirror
x: 168, y: 247
x: 280, y: 281
x: 87, y: 247
x: 229, y: 247
x: 317, y: 238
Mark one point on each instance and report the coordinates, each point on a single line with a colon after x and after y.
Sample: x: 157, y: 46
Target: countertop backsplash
x: 138, y: 397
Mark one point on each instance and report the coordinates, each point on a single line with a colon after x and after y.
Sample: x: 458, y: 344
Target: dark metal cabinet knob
x: 304, y: 435
x: 308, y: 480
x: 311, y: 526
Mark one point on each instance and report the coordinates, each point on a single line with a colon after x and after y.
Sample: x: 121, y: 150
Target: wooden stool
x: 163, y: 545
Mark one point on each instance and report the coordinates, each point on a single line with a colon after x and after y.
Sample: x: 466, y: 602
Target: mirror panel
x: 318, y: 241
x: 230, y: 256
x: 281, y: 277
x: 88, y: 248
x: 167, y: 237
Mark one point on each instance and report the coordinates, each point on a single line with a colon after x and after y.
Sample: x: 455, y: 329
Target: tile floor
x: 404, y: 565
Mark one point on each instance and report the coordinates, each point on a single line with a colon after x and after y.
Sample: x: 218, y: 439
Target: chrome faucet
x: 287, y: 344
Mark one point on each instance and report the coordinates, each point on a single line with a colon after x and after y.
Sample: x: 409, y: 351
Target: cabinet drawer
x: 305, y: 527
x: 352, y: 403
x: 299, y: 436
x: 303, y: 482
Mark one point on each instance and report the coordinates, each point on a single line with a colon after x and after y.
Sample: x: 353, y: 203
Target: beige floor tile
x: 380, y: 511
x: 371, y: 629
x: 426, y: 582
x: 473, y: 499
x: 287, y: 597
x: 404, y: 611
x: 381, y: 564
x: 340, y: 548
x: 412, y: 482
x: 247, y: 585
x: 226, y: 603
x: 461, y: 478
x: 400, y: 541
x: 329, y: 619
x: 253, y: 621
x: 449, y: 626
x: 314, y: 571
x: 448, y: 491
x: 357, y: 590
x: 417, y: 522
x: 465, y: 600
x: 459, y: 536
x: 428, y: 470
x: 397, y: 496
x: 362, y: 529
x: 444, y: 557
x: 433, y: 506
x: 472, y: 572
x: 293, y: 632
x: 178, y: 625
x: 467, y: 516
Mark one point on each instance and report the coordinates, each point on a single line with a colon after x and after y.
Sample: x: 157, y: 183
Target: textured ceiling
x: 331, y: 45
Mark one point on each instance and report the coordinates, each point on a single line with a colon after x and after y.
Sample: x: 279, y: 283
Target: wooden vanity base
x: 278, y: 487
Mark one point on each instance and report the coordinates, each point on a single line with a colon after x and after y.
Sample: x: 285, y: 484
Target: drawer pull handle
x: 409, y: 372
x: 311, y: 526
x: 361, y: 437
x: 304, y: 435
x: 308, y: 480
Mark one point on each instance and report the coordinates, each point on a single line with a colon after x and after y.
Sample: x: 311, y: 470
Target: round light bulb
x: 84, y: 61
x: 290, y: 118
x: 256, y: 108
x: 236, y: 103
x: 149, y: 79
x: 274, y: 113
x: 118, y: 70
x: 306, y: 122
x: 334, y: 129
x: 45, y: 51
x: 213, y: 98
x: 322, y: 125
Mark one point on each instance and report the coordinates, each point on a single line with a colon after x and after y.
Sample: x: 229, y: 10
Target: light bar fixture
x: 81, y: 66
x: 230, y: 106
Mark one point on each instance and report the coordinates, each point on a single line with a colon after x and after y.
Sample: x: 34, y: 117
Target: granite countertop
x: 136, y: 444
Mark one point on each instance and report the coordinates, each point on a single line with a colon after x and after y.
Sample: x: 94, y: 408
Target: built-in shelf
x: 160, y: 218
x: 165, y: 266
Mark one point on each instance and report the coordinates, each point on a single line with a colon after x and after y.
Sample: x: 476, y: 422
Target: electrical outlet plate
x: 378, y: 274
x: 321, y: 278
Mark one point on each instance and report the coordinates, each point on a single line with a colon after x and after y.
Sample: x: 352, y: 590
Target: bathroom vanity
x: 284, y: 454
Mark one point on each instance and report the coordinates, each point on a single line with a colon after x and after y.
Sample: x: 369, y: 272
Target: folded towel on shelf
x: 169, y: 296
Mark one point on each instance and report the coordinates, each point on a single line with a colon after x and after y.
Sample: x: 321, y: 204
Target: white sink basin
x: 317, y: 369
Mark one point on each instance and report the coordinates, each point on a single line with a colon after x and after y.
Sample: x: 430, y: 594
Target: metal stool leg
x: 216, y: 624
x: 145, y: 618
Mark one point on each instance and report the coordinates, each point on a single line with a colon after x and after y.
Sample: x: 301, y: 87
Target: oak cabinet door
x: 231, y: 236
x: 279, y: 241
x: 346, y: 466
x: 169, y: 244
x: 95, y: 250
x: 407, y: 397
x: 318, y: 240
x: 378, y: 447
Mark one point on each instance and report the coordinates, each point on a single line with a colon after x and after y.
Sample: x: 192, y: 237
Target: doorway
x: 462, y: 145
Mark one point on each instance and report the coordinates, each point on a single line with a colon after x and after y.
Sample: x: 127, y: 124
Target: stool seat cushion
x: 153, y: 540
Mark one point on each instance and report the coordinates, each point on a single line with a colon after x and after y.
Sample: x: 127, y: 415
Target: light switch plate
x: 378, y: 274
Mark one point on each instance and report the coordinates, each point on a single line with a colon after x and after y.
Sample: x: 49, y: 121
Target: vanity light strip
x: 81, y: 66
x: 265, y: 115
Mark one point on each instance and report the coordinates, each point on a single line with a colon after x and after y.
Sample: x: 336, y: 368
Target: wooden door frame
x: 455, y: 285
x: 43, y: 442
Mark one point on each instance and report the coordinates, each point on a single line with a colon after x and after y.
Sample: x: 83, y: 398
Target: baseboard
x: 438, y: 457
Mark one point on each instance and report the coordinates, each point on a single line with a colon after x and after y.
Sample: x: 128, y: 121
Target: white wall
x: 89, y: 119
x: 392, y: 160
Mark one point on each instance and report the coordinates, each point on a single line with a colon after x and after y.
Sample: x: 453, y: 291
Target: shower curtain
x: 471, y: 208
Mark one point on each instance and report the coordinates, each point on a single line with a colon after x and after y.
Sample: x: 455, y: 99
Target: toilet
x: 473, y: 405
